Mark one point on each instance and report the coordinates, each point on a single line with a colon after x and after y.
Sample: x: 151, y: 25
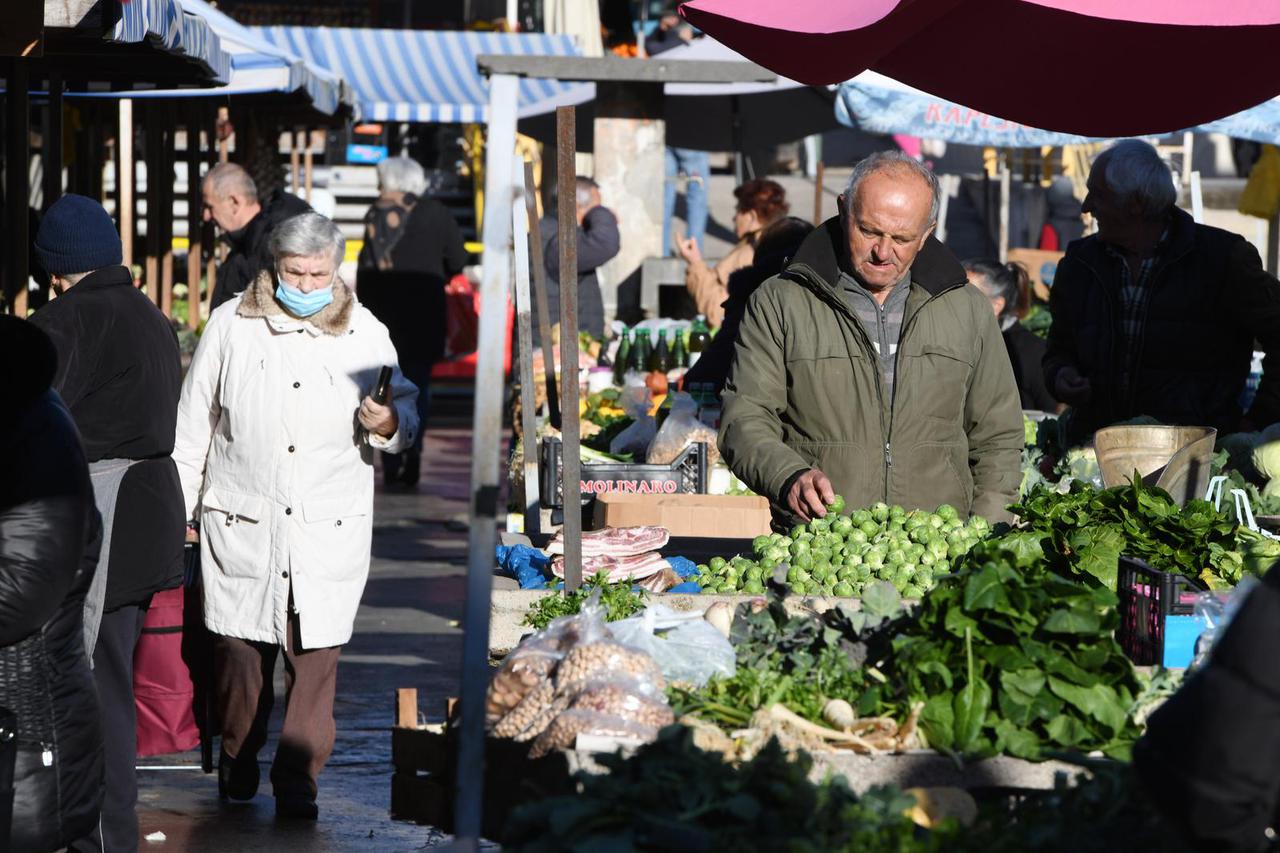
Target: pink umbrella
x: 1093, y: 67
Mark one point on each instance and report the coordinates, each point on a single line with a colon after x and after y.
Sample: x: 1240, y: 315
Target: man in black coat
x: 119, y: 374
x: 49, y: 541
x: 246, y: 222
x: 1155, y: 314
x: 598, y: 243
x: 412, y: 247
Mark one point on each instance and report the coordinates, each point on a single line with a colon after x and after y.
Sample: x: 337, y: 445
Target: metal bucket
x: 1177, y: 459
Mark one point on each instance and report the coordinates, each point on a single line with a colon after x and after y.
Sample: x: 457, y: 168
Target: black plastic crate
x: 1148, y: 597
x: 687, y: 475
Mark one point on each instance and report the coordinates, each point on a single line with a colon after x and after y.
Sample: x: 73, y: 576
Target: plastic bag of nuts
x: 597, y: 661
x: 626, y: 698
x: 565, y: 728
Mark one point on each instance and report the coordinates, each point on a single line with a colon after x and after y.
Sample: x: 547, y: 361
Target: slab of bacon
x: 616, y: 541
x: 633, y: 567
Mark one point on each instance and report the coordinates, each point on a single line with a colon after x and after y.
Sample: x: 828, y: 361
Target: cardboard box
x: 719, y: 516
x: 1042, y: 265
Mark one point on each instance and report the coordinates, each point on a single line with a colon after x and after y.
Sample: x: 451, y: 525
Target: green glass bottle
x: 699, y: 339
x: 622, y: 357
x: 660, y: 361
x: 680, y: 355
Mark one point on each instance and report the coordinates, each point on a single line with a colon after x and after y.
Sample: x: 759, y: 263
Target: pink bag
x: 162, y: 688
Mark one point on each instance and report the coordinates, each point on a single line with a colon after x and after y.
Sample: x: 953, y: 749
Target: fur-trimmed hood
x: 334, y: 319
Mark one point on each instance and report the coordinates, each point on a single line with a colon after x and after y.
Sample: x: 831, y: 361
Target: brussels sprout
x: 797, y: 575
x: 717, y: 563
x: 979, y: 524
x: 936, y: 522
x: 777, y: 554
x: 912, y: 591
x: 820, y: 525
x: 847, y: 574
x: 856, y: 536
x: 753, y: 587
x: 842, y: 526
x: 938, y: 548
x: 897, y: 513
x: 851, y: 560
x: 843, y: 589
x: 870, y: 528
x: 761, y: 544
x: 798, y: 531
x: 860, y: 517
x: 947, y: 511
x: 914, y: 552
x: 880, y: 511
x: 926, y: 559
x: 703, y: 568
x: 923, y: 577
x: 864, y: 573
x: 754, y: 573
x: 956, y: 550
x: 896, y: 557
x: 798, y: 547
x: 800, y: 588
x: 804, y: 561
x: 836, y: 505
x: 874, y: 558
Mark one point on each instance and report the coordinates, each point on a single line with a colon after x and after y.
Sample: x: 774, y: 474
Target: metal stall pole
x: 308, y: 166
x: 524, y: 327
x: 195, y: 223
x: 540, y: 294
x: 17, y: 133
x: 52, y: 142
x: 485, y: 454
x: 153, y: 139
x: 818, y: 186
x: 216, y: 155
x: 1004, y: 213
x: 570, y: 437
x: 164, y: 215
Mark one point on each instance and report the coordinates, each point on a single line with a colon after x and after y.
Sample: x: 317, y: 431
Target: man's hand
x: 1071, y: 387
x: 689, y: 250
x: 193, y: 534
x: 810, y: 494
x: 378, y: 419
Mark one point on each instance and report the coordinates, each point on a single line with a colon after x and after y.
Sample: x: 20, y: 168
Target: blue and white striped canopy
x: 424, y: 75
x: 166, y: 24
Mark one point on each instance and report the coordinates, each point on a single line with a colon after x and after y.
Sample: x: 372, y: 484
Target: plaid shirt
x: 1135, y: 295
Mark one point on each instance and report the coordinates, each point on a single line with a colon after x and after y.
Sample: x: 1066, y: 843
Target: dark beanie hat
x: 77, y: 235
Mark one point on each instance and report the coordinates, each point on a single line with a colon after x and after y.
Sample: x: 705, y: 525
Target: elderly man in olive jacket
x: 869, y: 369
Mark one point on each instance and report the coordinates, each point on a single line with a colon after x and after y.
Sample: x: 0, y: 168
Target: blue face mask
x: 302, y: 304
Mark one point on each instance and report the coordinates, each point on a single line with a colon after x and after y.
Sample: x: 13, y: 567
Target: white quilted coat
x: 275, y: 467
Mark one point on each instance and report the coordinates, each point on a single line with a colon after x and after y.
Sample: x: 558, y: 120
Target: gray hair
x: 893, y: 161
x: 307, y: 234
x: 402, y: 174
x: 226, y: 179
x: 1135, y: 173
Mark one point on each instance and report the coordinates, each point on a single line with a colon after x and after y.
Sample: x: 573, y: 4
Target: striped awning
x: 260, y: 67
x: 423, y: 75
x: 165, y: 24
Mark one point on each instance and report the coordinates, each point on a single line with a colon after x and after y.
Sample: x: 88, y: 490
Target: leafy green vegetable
x: 619, y: 600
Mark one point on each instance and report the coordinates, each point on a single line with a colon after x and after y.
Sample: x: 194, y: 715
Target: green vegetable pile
x: 671, y: 795
x: 1012, y: 658
x: 838, y: 555
x: 798, y: 661
x: 1083, y: 533
x: 619, y: 600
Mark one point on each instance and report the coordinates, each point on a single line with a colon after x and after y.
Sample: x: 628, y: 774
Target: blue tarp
x: 422, y: 75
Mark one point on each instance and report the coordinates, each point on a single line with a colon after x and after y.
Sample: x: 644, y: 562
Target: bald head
x: 889, y: 209
x: 230, y: 197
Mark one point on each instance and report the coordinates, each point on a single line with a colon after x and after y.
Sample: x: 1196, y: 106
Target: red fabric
x: 464, y: 366
x: 1141, y: 88
x: 462, y: 305
x: 1049, y: 239
x: 162, y: 688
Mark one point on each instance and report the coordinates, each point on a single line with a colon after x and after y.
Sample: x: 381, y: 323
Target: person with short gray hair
x: 276, y: 430
x: 598, y: 242
x: 412, y: 248
x: 869, y: 369
x: 1156, y: 314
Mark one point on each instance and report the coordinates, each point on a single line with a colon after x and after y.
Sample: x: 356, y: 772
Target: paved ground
x: 406, y: 635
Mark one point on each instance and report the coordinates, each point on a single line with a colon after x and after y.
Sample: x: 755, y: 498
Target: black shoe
x: 296, y: 805
x: 237, y: 780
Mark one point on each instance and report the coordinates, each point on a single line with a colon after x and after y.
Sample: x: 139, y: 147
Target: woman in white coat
x: 276, y: 430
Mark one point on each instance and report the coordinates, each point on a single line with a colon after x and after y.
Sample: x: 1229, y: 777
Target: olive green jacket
x: 805, y: 390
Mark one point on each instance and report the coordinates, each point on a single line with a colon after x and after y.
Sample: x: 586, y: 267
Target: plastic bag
x: 636, y: 401
x: 681, y: 429
x: 526, y: 564
x: 563, y: 732
x: 1217, y: 609
x: 686, y: 647
x: 523, y: 688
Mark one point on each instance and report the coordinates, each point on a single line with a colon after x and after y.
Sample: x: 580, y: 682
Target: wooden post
x: 818, y: 192
x: 1004, y: 213
x: 52, y: 142
x: 195, y: 223
x: 1197, y: 198
x: 216, y: 155
x: 224, y: 145
x: 153, y: 142
x: 164, y: 214
x: 540, y: 294
x: 17, y: 154
x: 294, y: 168
x: 308, y: 164
x: 485, y: 456
x: 524, y: 331
x: 125, y: 181
x: 566, y: 144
